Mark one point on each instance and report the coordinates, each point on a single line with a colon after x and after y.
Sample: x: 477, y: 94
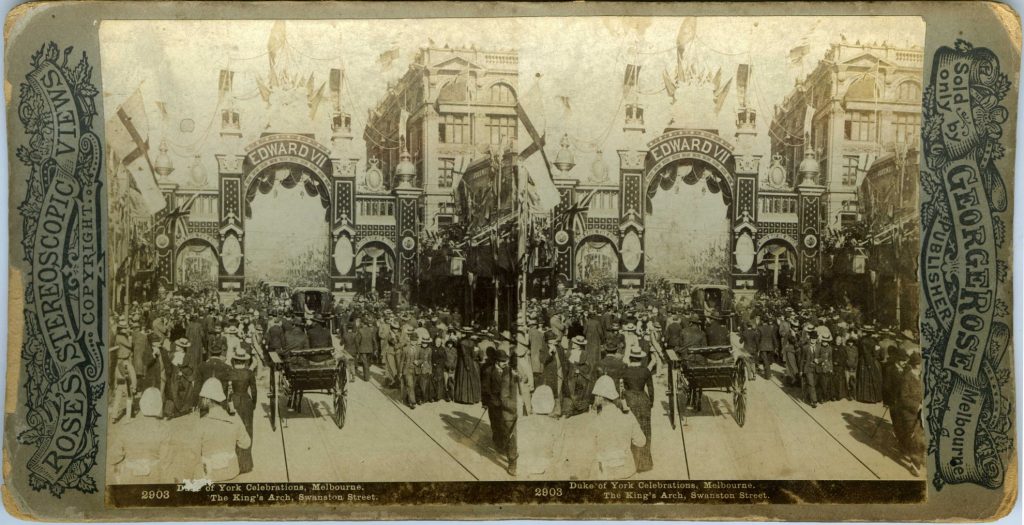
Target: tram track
x: 398, y: 407
x: 799, y: 404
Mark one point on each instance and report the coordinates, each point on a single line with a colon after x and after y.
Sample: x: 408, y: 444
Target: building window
x: 501, y: 129
x: 376, y: 208
x: 908, y: 128
x: 861, y: 126
x: 847, y: 219
x: 445, y: 172
x: 454, y: 129
x: 851, y: 165
x: 909, y: 92
x: 502, y: 94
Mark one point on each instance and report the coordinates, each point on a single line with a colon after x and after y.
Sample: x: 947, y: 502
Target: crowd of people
x: 186, y: 366
x: 582, y: 354
x: 571, y: 395
x: 428, y: 355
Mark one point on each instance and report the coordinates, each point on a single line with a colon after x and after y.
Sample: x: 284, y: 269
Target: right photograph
x: 719, y: 237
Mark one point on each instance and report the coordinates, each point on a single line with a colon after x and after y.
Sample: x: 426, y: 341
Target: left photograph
x: 312, y: 251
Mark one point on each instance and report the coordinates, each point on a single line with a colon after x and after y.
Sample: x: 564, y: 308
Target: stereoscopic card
x: 275, y: 260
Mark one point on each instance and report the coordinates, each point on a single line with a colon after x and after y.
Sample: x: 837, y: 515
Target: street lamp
x: 565, y: 161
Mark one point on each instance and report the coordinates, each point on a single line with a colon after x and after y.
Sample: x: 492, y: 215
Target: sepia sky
x: 581, y: 59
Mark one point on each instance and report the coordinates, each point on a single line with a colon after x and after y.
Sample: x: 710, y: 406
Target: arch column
x: 231, y: 225
x: 744, y: 232
x: 407, y: 238
x: 564, y: 234
x: 631, y: 218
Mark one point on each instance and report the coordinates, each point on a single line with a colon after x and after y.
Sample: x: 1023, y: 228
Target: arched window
x: 864, y: 88
x: 909, y: 92
x: 502, y: 94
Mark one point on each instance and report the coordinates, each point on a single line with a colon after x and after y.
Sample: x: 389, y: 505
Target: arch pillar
x: 231, y: 225
x: 631, y: 218
x: 743, y: 240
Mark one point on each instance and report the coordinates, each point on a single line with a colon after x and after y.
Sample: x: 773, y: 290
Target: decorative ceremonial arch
x: 679, y: 145
x: 291, y: 159
x: 736, y: 178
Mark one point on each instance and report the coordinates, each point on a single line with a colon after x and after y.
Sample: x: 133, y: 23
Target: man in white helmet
x: 219, y: 434
x: 615, y: 434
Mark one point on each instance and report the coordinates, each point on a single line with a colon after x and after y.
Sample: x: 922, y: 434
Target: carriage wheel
x: 340, y: 404
x: 739, y: 395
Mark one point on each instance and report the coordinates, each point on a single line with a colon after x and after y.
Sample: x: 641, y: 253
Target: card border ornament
x: 62, y: 216
x: 966, y: 331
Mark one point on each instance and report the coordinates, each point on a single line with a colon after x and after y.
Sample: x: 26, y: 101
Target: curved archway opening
x: 776, y: 265
x: 287, y: 236
x: 196, y: 265
x: 375, y: 268
x: 597, y: 261
x: 687, y: 229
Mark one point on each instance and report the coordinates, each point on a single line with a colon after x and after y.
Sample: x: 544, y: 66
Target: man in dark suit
x: 812, y: 362
x: 767, y: 345
x: 318, y: 334
x: 717, y: 334
x: 364, y: 342
x: 499, y: 396
x: 673, y: 333
x: 214, y: 366
x: 692, y: 335
x: 593, y: 330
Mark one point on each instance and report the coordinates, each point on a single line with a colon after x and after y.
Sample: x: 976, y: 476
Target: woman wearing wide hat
x: 243, y: 398
x: 638, y: 392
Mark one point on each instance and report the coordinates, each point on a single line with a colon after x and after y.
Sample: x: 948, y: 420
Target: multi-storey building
x: 451, y: 107
x: 859, y: 102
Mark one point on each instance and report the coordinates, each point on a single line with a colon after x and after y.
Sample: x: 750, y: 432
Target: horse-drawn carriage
x: 708, y: 368
x: 308, y: 301
x: 299, y: 372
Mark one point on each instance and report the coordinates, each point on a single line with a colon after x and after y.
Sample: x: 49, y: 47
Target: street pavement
x: 383, y: 440
x: 783, y: 438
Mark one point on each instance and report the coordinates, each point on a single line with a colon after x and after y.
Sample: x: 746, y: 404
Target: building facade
x: 860, y: 102
x: 764, y: 220
x: 452, y: 107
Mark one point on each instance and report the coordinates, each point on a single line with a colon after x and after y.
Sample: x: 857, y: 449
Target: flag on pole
x: 226, y: 80
x: 386, y: 58
x: 721, y: 94
x: 537, y: 168
x: 316, y: 99
x: 275, y: 45
x: 632, y: 76
x: 335, y: 87
x: 809, y: 123
x: 743, y: 72
x: 128, y: 139
x: 686, y: 35
x: 797, y: 54
x: 670, y: 85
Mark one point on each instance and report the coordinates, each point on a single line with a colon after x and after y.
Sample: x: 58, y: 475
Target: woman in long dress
x: 869, y: 373
x: 838, y: 389
x: 467, y: 373
x: 243, y: 399
x: 638, y: 391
